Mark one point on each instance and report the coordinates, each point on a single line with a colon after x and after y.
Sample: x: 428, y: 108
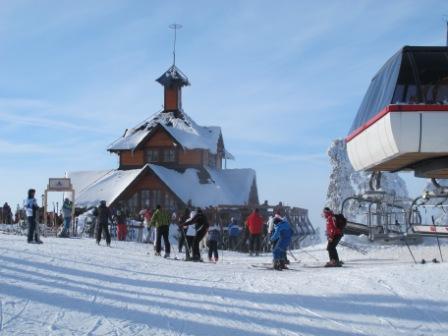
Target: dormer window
x: 152, y: 155
x: 169, y: 155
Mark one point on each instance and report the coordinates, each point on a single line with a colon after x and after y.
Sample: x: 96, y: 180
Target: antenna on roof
x: 175, y: 27
x: 445, y: 18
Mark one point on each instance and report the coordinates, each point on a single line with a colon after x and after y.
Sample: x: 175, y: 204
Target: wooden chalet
x: 170, y: 160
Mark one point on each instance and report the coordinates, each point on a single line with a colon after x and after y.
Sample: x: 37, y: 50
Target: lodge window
x: 146, y: 199
x: 170, y: 202
x: 169, y: 155
x: 133, y: 203
x: 152, y: 155
x: 212, y: 160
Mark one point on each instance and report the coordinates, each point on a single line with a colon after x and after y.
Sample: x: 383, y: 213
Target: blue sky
x: 282, y: 78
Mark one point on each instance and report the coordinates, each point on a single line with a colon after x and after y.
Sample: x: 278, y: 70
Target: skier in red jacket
x: 255, y: 226
x: 334, y: 235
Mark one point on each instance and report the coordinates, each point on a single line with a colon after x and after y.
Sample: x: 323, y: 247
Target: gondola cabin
x: 402, y: 123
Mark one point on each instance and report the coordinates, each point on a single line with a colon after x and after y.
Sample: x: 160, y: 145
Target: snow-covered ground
x: 73, y: 287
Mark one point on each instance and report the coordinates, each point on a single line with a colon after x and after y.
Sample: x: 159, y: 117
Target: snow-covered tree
x: 346, y: 182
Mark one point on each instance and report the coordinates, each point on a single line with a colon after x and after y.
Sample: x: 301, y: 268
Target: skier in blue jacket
x: 282, y: 234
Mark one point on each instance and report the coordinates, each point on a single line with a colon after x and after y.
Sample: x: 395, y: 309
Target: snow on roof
x: 173, y: 76
x: 179, y: 125
x: 206, y: 187
x: 203, y: 187
x: 91, y: 187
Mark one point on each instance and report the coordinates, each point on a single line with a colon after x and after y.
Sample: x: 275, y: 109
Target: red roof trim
x: 396, y: 108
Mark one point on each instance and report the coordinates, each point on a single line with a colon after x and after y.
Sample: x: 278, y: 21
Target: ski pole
x: 437, y: 237
x: 409, y: 248
x: 440, y: 250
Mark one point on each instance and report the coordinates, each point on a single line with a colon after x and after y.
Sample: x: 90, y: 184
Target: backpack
x: 340, y: 221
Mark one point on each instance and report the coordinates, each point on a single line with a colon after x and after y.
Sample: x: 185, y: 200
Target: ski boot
x: 331, y: 263
x: 283, y: 264
x: 157, y: 254
x: 166, y: 256
x: 277, y: 265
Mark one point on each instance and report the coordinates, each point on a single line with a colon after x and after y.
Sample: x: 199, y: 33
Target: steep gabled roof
x: 202, y: 187
x: 179, y: 125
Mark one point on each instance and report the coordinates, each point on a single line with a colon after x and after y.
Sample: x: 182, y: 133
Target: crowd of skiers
x: 192, y: 226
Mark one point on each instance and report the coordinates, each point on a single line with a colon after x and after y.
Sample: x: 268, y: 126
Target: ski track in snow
x: 73, y: 287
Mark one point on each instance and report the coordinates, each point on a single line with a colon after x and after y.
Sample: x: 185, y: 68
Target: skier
x: 255, y: 226
x: 233, y: 231
x: 31, y: 207
x: 122, y: 230
x: 334, y: 235
x: 161, y: 220
x: 282, y: 235
x: 147, y: 215
x: 199, y: 220
x: 190, y: 234
x: 173, y: 235
x: 214, y: 234
x: 182, y: 231
x: 102, y: 213
x: 67, y: 208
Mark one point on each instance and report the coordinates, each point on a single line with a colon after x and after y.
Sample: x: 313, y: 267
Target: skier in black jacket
x: 201, y: 222
x: 102, y: 214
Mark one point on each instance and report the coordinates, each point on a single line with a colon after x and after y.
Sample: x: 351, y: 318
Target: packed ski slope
x: 73, y: 287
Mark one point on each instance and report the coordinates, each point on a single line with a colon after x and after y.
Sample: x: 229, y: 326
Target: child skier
x: 214, y: 233
x: 282, y: 234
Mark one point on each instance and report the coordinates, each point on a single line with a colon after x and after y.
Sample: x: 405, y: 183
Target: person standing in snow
x: 122, y: 229
x: 213, y: 236
x: 102, y: 213
x: 190, y: 235
x: 67, y: 208
x: 282, y: 238
x: 161, y: 221
x: 174, y: 233
x: 182, y: 231
x: 200, y: 222
x: 334, y: 235
x: 147, y: 215
x: 255, y: 227
x: 233, y: 231
x: 31, y: 207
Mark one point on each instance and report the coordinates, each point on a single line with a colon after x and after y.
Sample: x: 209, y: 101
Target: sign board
x: 59, y: 184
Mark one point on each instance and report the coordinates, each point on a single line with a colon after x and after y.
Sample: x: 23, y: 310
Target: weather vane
x: 175, y: 27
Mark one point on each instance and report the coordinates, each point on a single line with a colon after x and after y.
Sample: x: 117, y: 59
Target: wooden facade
x: 162, y: 149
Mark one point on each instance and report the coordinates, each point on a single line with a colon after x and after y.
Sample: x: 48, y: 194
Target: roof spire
x: 175, y: 27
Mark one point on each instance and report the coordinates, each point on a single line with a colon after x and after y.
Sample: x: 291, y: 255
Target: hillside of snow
x: 74, y: 287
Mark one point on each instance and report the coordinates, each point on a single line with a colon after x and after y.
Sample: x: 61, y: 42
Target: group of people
x: 193, y: 226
